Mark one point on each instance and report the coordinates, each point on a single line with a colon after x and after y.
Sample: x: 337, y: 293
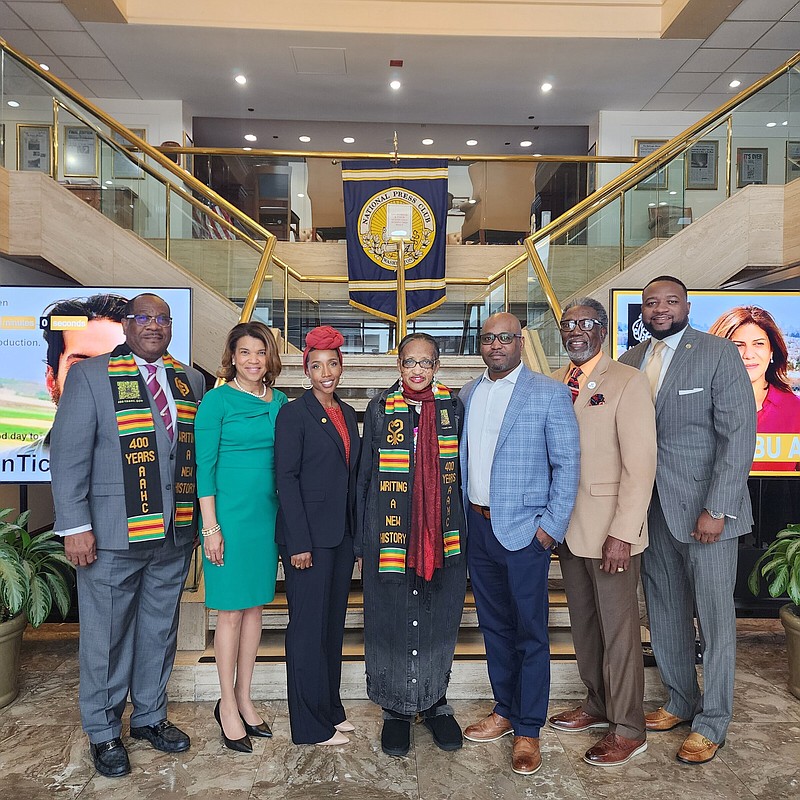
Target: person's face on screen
x: 151, y: 340
x: 665, y: 309
x: 98, y: 337
x: 755, y: 349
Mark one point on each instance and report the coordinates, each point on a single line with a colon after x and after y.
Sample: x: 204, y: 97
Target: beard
x: 677, y: 326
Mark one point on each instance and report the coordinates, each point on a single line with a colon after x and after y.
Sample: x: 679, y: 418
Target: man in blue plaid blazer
x: 520, y: 466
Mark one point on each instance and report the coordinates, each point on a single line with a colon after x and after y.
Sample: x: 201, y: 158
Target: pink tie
x: 158, y: 395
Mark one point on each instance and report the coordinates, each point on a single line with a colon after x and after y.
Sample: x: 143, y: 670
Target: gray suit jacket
x: 86, y: 461
x: 706, y: 428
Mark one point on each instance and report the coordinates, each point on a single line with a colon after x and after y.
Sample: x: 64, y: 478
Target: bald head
x: 501, y: 358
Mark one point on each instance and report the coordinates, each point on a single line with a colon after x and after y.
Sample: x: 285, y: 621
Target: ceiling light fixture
x: 45, y: 67
x: 241, y: 80
x: 13, y: 103
x: 472, y: 142
x: 304, y: 138
x: 785, y: 122
x: 301, y: 194
x: 247, y: 148
x: 348, y: 140
x: 546, y: 87
x: 526, y: 143
x: 427, y: 142
x: 251, y: 137
x: 537, y: 155
x: 395, y: 85
x: 771, y: 124
x: 735, y: 84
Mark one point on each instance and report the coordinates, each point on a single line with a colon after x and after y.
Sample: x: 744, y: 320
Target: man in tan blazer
x: 601, y: 554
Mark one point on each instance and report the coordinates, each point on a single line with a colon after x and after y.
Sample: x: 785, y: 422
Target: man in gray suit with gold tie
x: 706, y: 430
x: 123, y: 479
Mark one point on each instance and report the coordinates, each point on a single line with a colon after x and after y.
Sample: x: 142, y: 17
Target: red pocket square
x: 597, y: 400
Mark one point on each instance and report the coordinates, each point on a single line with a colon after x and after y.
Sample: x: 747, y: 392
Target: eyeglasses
x: 503, y: 338
x: 568, y: 325
x: 410, y: 363
x: 162, y: 320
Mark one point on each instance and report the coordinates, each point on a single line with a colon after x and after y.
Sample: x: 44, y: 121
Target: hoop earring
x: 303, y: 383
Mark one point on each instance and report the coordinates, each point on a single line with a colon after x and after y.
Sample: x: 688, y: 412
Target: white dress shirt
x: 671, y: 343
x: 161, y: 377
x: 487, y: 407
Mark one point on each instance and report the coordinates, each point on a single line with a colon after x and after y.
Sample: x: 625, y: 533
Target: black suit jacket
x: 316, y: 488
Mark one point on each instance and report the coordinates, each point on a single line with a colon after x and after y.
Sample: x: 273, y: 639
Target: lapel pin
x: 688, y: 345
x: 591, y: 385
x: 324, y: 419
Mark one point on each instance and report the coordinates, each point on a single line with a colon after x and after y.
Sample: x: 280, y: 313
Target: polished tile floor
x: 43, y: 752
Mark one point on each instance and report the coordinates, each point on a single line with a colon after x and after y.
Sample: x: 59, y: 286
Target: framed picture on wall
x: 751, y: 166
x: 701, y: 165
x: 122, y: 166
x: 35, y: 148
x: 792, y: 161
x: 80, y: 152
x: 643, y: 148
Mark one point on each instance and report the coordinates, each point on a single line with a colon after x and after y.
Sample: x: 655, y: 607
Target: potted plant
x: 780, y: 565
x: 34, y: 575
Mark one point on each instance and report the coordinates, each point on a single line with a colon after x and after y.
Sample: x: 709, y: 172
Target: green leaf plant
x: 34, y: 572
x: 779, y: 565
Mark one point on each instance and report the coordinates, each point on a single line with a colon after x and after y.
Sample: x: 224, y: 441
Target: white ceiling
x: 454, y: 81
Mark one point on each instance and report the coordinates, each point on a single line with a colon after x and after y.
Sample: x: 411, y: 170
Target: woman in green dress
x: 235, y: 430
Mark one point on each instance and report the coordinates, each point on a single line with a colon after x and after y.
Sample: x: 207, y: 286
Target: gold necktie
x: 653, y: 368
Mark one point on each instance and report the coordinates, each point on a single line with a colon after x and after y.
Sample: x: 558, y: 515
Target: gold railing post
x: 402, y: 322
x: 54, y: 143
x: 506, y: 288
x: 544, y: 280
x: 285, y: 309
x: 255, y: 287
x: 728, y: 155
x: 621, y: 231
x: 167, y: 231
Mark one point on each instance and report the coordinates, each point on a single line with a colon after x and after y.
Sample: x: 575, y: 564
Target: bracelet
x: 210, y: 531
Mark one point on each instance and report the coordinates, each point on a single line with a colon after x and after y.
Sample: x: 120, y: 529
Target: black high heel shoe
x: 262, y: 729
x: 243, y: 745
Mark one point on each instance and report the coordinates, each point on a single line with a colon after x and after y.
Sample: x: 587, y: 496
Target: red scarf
x: 425, y: 551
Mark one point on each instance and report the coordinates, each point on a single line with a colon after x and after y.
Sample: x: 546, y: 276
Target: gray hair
x: 595, y: 305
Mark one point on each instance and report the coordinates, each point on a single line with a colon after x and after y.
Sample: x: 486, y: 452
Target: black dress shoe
x: 110, y: 758
x: 445, y: 731
x: 396, y: 737
x: 163, y: 736
x: 243, y: 745
x: 262, y: 729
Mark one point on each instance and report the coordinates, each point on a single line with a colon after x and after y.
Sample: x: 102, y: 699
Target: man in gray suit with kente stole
x: 706, y: 431
x: 123, y: 478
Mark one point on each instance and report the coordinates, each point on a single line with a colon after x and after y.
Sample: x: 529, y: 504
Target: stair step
x: 275, y: 616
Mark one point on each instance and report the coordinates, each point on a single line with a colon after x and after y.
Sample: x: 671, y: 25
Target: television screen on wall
x: 43, y: 331
x: 765, y: 326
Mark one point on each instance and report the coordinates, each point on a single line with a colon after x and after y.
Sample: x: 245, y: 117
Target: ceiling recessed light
x: 663, y: 203
x: 537, y: 155
x: 13, y: 103
x: 304, y: 138
x: 771, y: 124
x: 109, y: 183
x: 241, y: 80
x: 427, y: 141
x: 525, y: 143
x: 673, y: 193
x: 247, y: 148
x: 651, y: 205
x: 472, y: 202
x: 472, y: 142
x: 546, y: 87
x: 348, y: 140
x: 735, y: 84
x: 45, y: 67
x: 301, y: 195
x: 251, y: 137
x: 785, y: 122
x: 395, y: 85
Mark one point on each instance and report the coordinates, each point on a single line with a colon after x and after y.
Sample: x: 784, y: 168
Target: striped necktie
x: 653, y: 367
x: 573, y: 384
x: 160, y: 398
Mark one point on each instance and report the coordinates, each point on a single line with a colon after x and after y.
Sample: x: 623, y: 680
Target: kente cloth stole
x: 137, y: 438
x: 395, y: 480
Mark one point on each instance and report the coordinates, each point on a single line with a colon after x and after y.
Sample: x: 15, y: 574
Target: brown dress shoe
x: 489, y: 729
x: 576, y: 720
x: 662, y: 720
x: 613, y: 750
x: 525, y: 756
x: 696, y: 749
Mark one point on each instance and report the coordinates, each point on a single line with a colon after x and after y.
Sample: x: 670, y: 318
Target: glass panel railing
x: 753, y: 142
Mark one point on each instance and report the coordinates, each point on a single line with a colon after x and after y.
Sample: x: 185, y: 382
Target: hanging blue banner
x: 369, y: 188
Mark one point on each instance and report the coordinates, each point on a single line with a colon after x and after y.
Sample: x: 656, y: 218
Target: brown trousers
x: 604, y: 616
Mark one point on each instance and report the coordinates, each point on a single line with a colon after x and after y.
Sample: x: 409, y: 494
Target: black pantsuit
x: 316, y: 493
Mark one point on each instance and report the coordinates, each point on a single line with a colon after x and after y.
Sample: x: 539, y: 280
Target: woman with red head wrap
x: 317, y: 447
